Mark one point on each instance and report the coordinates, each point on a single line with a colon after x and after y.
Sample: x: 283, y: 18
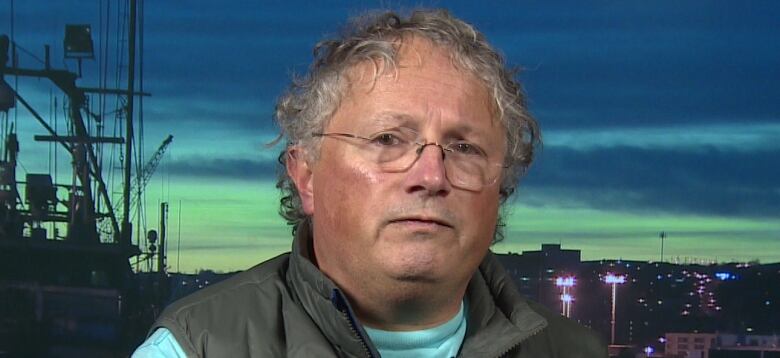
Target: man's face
x: 375, y: 230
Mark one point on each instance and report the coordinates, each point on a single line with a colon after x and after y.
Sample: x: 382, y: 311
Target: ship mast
x: 127, y: 234
x: 86, y: 165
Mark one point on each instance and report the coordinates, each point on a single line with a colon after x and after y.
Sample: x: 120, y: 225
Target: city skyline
x: 633, y: 304
x: 655, y: 119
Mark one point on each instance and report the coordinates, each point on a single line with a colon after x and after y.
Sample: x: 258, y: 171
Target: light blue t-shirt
x: 440, y: 341
x: 161, y: 344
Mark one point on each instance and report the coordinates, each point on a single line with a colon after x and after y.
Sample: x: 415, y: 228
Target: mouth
x: 422, y: 220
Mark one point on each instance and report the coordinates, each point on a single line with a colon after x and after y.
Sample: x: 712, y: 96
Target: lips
x: 422, y: 220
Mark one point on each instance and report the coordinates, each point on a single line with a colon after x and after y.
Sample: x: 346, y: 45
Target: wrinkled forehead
x: 412, y: 56
x: 423, y: 89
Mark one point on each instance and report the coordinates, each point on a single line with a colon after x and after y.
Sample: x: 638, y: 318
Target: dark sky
x: 649, y: 108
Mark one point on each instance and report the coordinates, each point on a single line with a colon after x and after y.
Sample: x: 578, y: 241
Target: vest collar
x: 323, y: 301
x: 498, y: 318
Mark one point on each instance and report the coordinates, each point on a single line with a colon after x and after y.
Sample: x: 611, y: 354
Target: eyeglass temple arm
x: 338, y: 135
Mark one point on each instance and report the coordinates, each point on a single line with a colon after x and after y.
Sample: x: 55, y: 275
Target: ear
x: 299, y: 171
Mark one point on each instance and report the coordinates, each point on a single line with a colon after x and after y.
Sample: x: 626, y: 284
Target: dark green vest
x: 286, y: 307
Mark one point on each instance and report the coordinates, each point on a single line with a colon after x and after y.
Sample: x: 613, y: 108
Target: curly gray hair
x: 311, y: 100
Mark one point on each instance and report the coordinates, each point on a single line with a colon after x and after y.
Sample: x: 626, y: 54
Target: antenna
x: 662, y: 235
x: 178, y: 244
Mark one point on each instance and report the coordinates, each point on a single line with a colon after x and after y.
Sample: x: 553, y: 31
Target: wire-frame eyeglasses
x: 467, y: 164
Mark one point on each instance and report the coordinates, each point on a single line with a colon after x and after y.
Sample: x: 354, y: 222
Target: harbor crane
x: 148, y: 170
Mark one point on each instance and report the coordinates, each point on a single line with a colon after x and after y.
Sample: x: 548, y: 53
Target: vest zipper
x: 357, y: 334
x: 341, y: 305
x: 533, y: 333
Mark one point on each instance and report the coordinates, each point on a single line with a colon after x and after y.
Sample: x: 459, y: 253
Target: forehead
x: 424, y: 86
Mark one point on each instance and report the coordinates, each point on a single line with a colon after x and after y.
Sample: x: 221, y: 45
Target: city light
x: 725, y: 276
x: 565, y: 283
x: 614, y: 280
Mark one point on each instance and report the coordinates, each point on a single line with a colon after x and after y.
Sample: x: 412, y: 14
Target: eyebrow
x: 395, y: 119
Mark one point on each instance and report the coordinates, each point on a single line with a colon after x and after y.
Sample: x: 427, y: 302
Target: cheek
x: 346, y: 196
x: 485, y: 214
x: 366, y: 175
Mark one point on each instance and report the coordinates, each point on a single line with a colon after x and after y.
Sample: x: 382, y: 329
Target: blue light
x: 725, y: 276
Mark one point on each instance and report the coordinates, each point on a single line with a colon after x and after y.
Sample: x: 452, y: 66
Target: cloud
x: 619, y: 64
x: 616, y: 85
x: 730, y: 136
x: 628, y: 65
x: 224, y: 168
x: 707, y: 181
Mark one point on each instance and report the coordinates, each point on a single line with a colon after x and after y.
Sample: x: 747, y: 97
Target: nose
x: 428, y: 174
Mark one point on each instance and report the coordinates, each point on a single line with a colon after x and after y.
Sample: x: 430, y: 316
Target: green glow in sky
x: 233, y: 225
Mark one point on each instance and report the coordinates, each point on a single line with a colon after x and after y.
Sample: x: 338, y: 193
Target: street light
x: 566, y: 299
x: 614, y: 280
x: 565, y: 283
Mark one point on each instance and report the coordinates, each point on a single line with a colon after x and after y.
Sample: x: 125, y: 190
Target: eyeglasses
x: 466, y: 164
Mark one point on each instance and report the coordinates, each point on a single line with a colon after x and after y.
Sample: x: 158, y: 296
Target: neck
x: 403, y: 308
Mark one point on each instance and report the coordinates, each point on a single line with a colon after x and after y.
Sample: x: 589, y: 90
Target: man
x: 403, y: 141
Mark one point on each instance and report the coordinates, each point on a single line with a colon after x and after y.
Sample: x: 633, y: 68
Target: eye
x: 467, y: 149
x: 386, y: 139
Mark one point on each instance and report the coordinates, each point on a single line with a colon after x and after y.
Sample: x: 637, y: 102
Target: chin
x: 413, y: 270
x: 419, y: 260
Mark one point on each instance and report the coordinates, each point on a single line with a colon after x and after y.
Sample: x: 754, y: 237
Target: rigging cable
x: 138, y: 214
x: 120, y: 104
x: 4, y: 123
x: 105, y: 36
x: 14, y: 59
x: 51, y: 118
x: 140, y: 162
x: 91, y: 129
x: 52, y: 151
x: 99, y: 112
x: 56, y: 124
x: 116, y: 116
